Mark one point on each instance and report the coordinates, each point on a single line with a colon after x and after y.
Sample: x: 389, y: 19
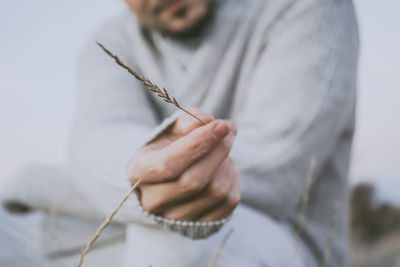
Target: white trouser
x: 257, y: 241
x: 22, y: 243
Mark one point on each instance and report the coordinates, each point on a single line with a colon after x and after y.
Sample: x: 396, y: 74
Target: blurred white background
x: 40, y: 41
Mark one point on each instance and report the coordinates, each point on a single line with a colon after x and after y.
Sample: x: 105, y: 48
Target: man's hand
x: 187, y: 172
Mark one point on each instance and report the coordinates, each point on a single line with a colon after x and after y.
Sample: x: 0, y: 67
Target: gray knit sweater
x: 283, y: 70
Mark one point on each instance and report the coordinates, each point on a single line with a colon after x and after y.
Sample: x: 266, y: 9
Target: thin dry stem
x: 105, y: 224
x: 220, y: 248
x: 328, y: 249
x: 303, y: 207
x: 162, y: 93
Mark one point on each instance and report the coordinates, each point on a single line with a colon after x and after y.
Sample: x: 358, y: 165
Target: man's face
x: 174, y: 16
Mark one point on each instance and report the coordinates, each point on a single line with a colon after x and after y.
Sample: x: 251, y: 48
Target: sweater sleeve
x: 114, y: 118
x: 298, y: 103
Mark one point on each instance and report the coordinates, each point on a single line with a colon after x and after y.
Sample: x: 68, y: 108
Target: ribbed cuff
x: 190, y: 229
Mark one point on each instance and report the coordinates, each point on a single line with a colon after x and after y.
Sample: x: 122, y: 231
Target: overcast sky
x: 39, y: 44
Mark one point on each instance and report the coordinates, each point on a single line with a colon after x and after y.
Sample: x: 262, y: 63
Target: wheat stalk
x: 304, y: 204
x: 220, y: 248
x: 162, y: 93
x: 328, y: 249
x: 105, y: 224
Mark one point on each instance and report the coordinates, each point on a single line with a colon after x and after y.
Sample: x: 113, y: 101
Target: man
x: 275, y: 83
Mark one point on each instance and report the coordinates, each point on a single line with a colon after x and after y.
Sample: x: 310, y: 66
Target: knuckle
x: 207, y: 140
x: 219, y: 191
x: 202, y: 144
x: 234, y: 200
x: 162, y: 170
x: 151, y: 205
x: 154, y: 170
x: 167, y: 170
x: 190, y: 183
x: 198, y: 148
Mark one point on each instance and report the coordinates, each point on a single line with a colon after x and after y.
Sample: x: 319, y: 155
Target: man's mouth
x: 171, y: 6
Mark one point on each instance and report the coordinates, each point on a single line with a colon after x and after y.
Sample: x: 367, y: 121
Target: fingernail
x: 221, y: 129
x: 233, y: 127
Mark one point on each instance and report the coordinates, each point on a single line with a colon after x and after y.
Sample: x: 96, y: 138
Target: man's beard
x: 197, y: 28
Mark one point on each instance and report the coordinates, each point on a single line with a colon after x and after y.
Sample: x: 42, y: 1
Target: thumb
x: 186, y: 123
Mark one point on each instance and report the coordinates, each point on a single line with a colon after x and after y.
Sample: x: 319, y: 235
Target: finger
x: 225, y: 209
x: 186, y: 123
x: 170, y: 162
x: 199, y: 175
x: 185, y: 151
x: 214, y: 194
x: 191, y: 182
x: 181, y: 127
